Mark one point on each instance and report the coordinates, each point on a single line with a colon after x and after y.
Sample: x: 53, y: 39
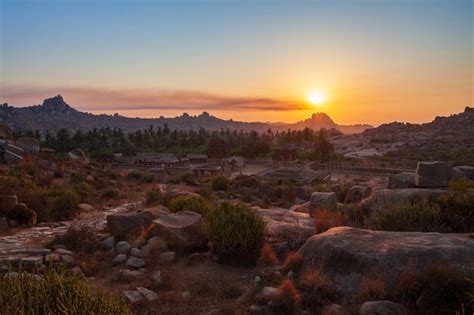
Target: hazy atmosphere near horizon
x: 358, y: 61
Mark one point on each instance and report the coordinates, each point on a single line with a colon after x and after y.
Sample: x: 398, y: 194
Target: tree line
x: 217, y: 144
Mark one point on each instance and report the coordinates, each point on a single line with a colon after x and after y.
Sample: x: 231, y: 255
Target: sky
x: 374, y: 61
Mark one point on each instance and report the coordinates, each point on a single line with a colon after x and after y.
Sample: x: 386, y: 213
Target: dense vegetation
x: 55, y: 293
x: 216, y: 144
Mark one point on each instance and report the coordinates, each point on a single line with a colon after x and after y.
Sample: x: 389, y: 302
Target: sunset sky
x: 373, y: 61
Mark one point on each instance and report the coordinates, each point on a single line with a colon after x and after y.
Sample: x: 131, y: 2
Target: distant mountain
x: 55, y: 114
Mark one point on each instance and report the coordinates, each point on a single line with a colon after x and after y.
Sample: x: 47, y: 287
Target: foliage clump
x: 190, y: 203
x: 220, y: 183
x: 236, y: 231
x: 57, y: 292
x: 153, y: 197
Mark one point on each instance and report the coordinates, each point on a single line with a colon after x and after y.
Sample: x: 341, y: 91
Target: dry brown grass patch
x: 287, y: 298
x: 293, y: 262
x: 267, y: 256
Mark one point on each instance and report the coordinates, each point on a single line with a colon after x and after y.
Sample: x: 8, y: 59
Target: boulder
x: 122, y: 247
x: 433, y: 174
x: 85, y: 207
x: 382, y: 308
x: 126, y: 275
x: 148, y: 294
x: 167, y: 258
x: 135, y: 262
x: 356, y: 193
x: 267, y: 294
x: 466, y: 171
x: 380, y: 199
x: 347, y: 254
x: 182, y: 231
x: 78, y: 155
x: 323, y: 200
x: 119, y: 259
x: 132, y: 296
x: 123, y: 226
x: 401, y: 180
x: 28, y: 144
x: 135, y: 252
x: 287, y: 226
x: 108, y: 243
x: 154, y: 246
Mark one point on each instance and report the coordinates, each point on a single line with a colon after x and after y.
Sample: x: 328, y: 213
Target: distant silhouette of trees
x: 217, y: 144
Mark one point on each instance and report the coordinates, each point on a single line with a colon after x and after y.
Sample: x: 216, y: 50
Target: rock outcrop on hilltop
x: 445, y: 138
x: 55, y: 114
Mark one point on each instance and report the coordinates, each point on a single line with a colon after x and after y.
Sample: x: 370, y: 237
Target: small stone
x: 76, y: 270
x: 257, y: 281
x: 135, y: 262
x: 195, y: 258
x: 122, y: 247
x: 119, y: 259
x: 108, y: 243
x: 186, y: 295
x: 68, y: 260
x: 167, y: 258
x: 132, y: 296
x: 53, y: 258
x: 292, y: 275
x: 135, y: 252
x: 63, y: 251
x: 267, y: 294
x: 148, y: 294
x: 130, y: 275
x: 156, y: 277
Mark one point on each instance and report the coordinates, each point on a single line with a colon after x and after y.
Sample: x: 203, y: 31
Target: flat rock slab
x: 182, y: 231
x: 346, y: 254
x: 121, y: 225
x: 287, y: 226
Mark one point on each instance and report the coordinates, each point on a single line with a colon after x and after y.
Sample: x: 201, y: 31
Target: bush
x: 153, y: 197
x: 287, y: 298
x: 293, y: 262
x: 457, y: 213
x: 57, y: 293
x: 267, y: 256
x: 372, y: 288
x: 143, y: 177
x: 83, y: 189
x: 236, y: 231
x: 80, y: 238
x: 421, y: 217
x: 220, y: 183
x: 317, y: 291
x: 111, y: 194
x: 190, y: 203
x: 447, y: 290
x: 61, y: 203
x: 328, y: 219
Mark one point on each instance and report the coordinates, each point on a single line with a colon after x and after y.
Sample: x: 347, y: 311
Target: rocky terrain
x: 55, y: 114
x: 445, y: 138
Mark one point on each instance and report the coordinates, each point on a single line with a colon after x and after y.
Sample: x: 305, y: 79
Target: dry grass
x: 267, y: 256
x: 287, y: 298
x: 293, y: 262
x: 372, y: 288
x: 328, y: 219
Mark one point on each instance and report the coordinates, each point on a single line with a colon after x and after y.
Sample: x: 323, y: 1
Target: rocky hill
x: 445, y: 138
x: 55, y: 114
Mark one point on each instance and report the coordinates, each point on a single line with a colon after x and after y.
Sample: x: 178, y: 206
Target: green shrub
x: 80, y: 238
x: 61, y: 203
x: 111, y: 194
x: 457, y: 213
x: 57, y: 293
x: 83, y: 189
x: 190, y: 203
x: 220, y: 183
x: 143, y: 177
x: 153, y: 197
x: 420, y: 217
x: 236, y: 231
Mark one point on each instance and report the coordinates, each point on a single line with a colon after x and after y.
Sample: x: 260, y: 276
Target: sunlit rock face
x: 347, y: 254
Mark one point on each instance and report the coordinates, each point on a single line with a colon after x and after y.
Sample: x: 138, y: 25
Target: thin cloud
x: 144, y: 99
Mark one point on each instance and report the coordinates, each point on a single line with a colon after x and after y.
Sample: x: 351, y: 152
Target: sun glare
x: 316, y: 98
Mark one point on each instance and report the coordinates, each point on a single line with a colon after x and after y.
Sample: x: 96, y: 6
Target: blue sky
x: 372, y: 58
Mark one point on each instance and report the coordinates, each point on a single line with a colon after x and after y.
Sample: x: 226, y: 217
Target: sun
x: 316, y: 98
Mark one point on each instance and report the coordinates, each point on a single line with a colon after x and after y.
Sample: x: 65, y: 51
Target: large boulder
x: 466, y: 171
x: 323, y: 200
x: 380, y: 199
x: 124, y: 226
x: 347, y: 254
x: 433, y: 174
x: 356, y: 193
x: 287, y: 226
x: 401, y: 180
x: 182, y: 231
